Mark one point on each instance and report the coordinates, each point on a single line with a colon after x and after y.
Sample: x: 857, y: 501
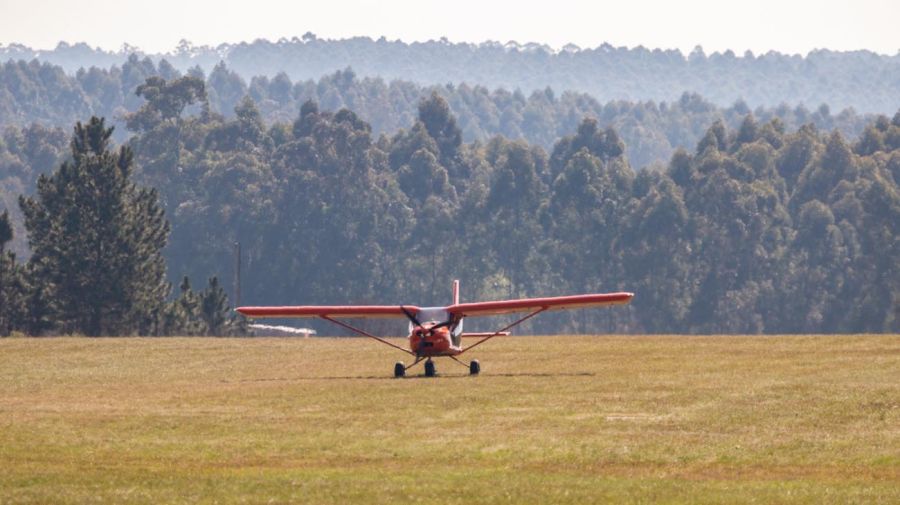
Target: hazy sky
x: 759, y: 25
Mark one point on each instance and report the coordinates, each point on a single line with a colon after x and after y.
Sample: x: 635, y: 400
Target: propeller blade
x: 410, y: 316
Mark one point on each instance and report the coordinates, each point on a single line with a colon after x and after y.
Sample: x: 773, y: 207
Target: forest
x: 863, y: 80
x: 772, y: 222
x: 34, y: 92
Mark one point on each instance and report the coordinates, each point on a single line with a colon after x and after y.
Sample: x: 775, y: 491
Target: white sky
x: 759, y: 25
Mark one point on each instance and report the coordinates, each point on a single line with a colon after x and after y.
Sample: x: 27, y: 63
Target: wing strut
x: 366, y: 334
x: 502, y: 330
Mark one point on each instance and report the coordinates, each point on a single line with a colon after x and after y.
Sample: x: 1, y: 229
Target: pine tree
x: 214, y: 310
x: 12, y: 289
x: 202, y: 313
x: 6, y: 232
x: 97, y: 241
x: 182, y: 315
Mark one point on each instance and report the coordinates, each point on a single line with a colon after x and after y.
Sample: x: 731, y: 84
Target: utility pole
x: 237, y: 274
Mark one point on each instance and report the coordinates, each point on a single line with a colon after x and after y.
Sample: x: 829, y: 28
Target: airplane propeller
x: 412, y: 317
x: 441, y: 325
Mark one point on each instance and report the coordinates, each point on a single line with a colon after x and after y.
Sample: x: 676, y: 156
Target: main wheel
x: 399, y: 369
x: 429, y: 369
x: 474, y: 367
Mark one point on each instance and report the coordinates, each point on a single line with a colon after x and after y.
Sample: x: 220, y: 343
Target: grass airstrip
x: 646, y: 419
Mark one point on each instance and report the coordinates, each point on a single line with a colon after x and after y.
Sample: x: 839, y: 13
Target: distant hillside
x: 35, y: 92
x: 866, y: 81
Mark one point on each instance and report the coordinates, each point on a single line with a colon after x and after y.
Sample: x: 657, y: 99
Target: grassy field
x: 656, y: 419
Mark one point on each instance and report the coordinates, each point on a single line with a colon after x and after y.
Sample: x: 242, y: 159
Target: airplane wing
x: 329, y: 312
x: 534, y: 304
x: 350, y: 311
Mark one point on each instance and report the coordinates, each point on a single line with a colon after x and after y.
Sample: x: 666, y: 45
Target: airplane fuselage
x: 425, y: 342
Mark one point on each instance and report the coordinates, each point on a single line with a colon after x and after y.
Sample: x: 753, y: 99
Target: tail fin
x: 455, y: 291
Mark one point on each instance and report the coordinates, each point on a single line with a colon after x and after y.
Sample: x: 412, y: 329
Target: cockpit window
x: 432, y: 315
x: 437, y: 315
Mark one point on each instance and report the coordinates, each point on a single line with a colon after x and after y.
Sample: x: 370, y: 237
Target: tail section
x: 455, y: 291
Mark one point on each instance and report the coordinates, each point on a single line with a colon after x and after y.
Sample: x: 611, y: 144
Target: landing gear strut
x: 474, y: 366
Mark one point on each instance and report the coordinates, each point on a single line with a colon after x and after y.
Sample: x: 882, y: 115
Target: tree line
x: 757, y: 229
x: 606, y: 72
x: 41, y: 92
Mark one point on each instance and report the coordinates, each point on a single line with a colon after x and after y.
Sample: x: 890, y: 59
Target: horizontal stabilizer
x: 290, y: 330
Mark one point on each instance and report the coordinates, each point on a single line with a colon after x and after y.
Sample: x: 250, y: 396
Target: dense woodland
x: 863, y: 80
x: 756, y: 228
x: 33, y: 92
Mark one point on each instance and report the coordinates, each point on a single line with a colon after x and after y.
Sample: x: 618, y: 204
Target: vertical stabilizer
x: 455, y: 291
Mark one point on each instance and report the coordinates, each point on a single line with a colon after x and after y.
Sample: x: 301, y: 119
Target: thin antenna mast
x: 237, y: 274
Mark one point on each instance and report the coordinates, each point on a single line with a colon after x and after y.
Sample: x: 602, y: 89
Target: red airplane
x: 438, y: 331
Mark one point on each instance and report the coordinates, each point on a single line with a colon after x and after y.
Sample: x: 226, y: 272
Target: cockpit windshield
x: 432, y: 315
x: 438, y: 315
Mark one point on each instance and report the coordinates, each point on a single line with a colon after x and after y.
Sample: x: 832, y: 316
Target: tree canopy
x: 651, y: 128
x: 756, y: 228
x: 606, y: 72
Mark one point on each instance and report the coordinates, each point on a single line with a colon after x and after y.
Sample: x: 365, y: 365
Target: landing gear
x: 474, y: 366
x: 429, y: 369
x: 399, y: 369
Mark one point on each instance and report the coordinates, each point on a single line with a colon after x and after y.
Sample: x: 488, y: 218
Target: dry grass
x: 669, y: 419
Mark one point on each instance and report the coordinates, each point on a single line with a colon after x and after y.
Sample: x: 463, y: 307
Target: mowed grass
x: 647, y: 419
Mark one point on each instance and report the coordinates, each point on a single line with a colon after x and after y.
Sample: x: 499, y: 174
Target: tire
x: 429, y: 369
x: 399, y: 369
x: 474, y: 367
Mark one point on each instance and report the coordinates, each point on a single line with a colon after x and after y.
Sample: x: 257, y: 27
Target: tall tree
x: 165, y: 100
x: 12, y: 289
x: 214, y: 309
x: 512, y: 204
x: 434, y: 113
x: 97, y: 240
x: 6, y: 231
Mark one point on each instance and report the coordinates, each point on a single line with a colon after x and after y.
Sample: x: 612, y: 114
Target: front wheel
x: 429, y: 369
x: 474, y: 367
x: 399, y: 369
